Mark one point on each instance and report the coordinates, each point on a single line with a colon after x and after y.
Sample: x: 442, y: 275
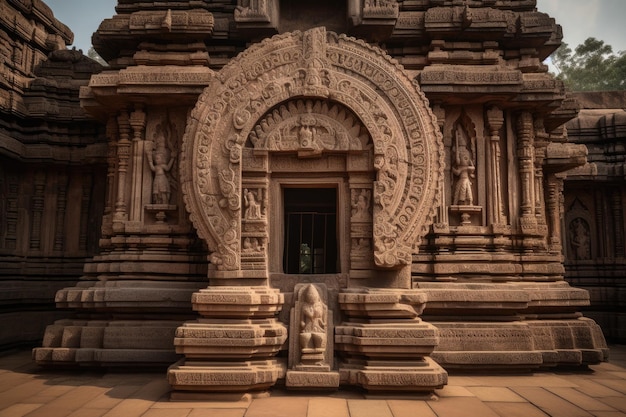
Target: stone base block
x: 423, y: 375
x: 144, y: 296
x: 473, y: 299
x: 409, y: 338
x: 481, y: 360
x: 519, y: 345
x: 382, y: 303
x: 574, y: 342
x: 224, y: 376
x: 238, y: 302
x: 312, y: 380
x: 230, y: 339
x: 108, y: 343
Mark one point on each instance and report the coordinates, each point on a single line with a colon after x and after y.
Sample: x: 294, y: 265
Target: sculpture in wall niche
x: 252, y: 203
x: 580, y: 239
x: 251, y: 8
x: 313, y: 325
x: 361, y: 203
x: 161, y: 164
x: 463, y: 166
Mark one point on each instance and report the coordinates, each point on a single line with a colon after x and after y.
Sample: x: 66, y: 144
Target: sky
x: 580, y: 19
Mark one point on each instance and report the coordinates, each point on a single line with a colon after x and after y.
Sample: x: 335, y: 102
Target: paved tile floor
x: 28, y: 391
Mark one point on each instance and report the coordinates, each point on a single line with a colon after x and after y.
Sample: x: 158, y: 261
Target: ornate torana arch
x: 315, y: 65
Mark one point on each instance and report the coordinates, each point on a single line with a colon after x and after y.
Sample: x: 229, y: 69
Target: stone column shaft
x: 495, y: 121
x: 123, y: 156
x: 138, y: 124
x: 525, y: 155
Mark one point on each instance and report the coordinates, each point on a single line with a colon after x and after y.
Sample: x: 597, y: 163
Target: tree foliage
x: 592, y: 66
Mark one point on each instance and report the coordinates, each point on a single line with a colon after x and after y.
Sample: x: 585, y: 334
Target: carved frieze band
x: 295, y: 70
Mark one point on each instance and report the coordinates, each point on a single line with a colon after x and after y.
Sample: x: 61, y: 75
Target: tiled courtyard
x: 26, y: 390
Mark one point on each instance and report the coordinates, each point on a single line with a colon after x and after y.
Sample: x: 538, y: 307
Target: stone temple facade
x: 593, y: 221
x: 321, y: 194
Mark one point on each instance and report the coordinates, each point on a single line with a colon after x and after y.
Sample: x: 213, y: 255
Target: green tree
x: 592, y: 66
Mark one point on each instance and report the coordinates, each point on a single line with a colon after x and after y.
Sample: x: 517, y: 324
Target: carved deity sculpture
x: 361, y: 205
x: 313, y: 322
x: 464, y: 171
x: 160, y: 165
x: 252, y: 205
x: 579, y: 230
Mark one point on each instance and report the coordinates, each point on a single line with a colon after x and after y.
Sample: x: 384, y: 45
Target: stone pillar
x: 495, y: 120
x: 525, y: 155
x: 232, y: 347
x: 383, y: 344
x: 123, y: 156
x: 555, y: 192
x: 138, y: 123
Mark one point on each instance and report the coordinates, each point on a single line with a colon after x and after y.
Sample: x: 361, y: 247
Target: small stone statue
x: 313, y: 322
x: 580, y: 239
x: 253, y: 207
x: 361, y: 205
x: 464, y: 169
x: 160, y: 165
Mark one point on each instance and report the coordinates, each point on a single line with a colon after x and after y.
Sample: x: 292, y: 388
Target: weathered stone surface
x: 311, y: 380
x: 107, y: 343
x: 423, y: 375
x: 224, y: 376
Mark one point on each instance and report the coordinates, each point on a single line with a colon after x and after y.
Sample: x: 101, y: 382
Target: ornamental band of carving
x: 311, y: 67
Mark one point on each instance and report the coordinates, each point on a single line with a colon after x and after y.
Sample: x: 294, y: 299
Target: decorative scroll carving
x: 334, y: 70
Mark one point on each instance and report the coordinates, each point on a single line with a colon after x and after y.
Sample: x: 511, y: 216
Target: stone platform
x: 29, y: 391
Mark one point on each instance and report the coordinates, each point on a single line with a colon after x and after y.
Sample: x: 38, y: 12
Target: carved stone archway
x: 316, y: 65
x: 308, y: 98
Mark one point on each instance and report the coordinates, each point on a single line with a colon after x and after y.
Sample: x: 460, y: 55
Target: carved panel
x: 315, y: 65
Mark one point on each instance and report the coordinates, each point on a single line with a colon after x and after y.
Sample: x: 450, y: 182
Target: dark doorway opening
x: 310, y: 231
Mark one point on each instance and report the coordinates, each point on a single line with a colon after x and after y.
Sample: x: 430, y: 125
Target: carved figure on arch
x: 252, y: 204
x: 361, y: 202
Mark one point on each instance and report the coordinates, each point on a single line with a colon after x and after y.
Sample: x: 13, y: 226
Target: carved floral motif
x: 247, y: 95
